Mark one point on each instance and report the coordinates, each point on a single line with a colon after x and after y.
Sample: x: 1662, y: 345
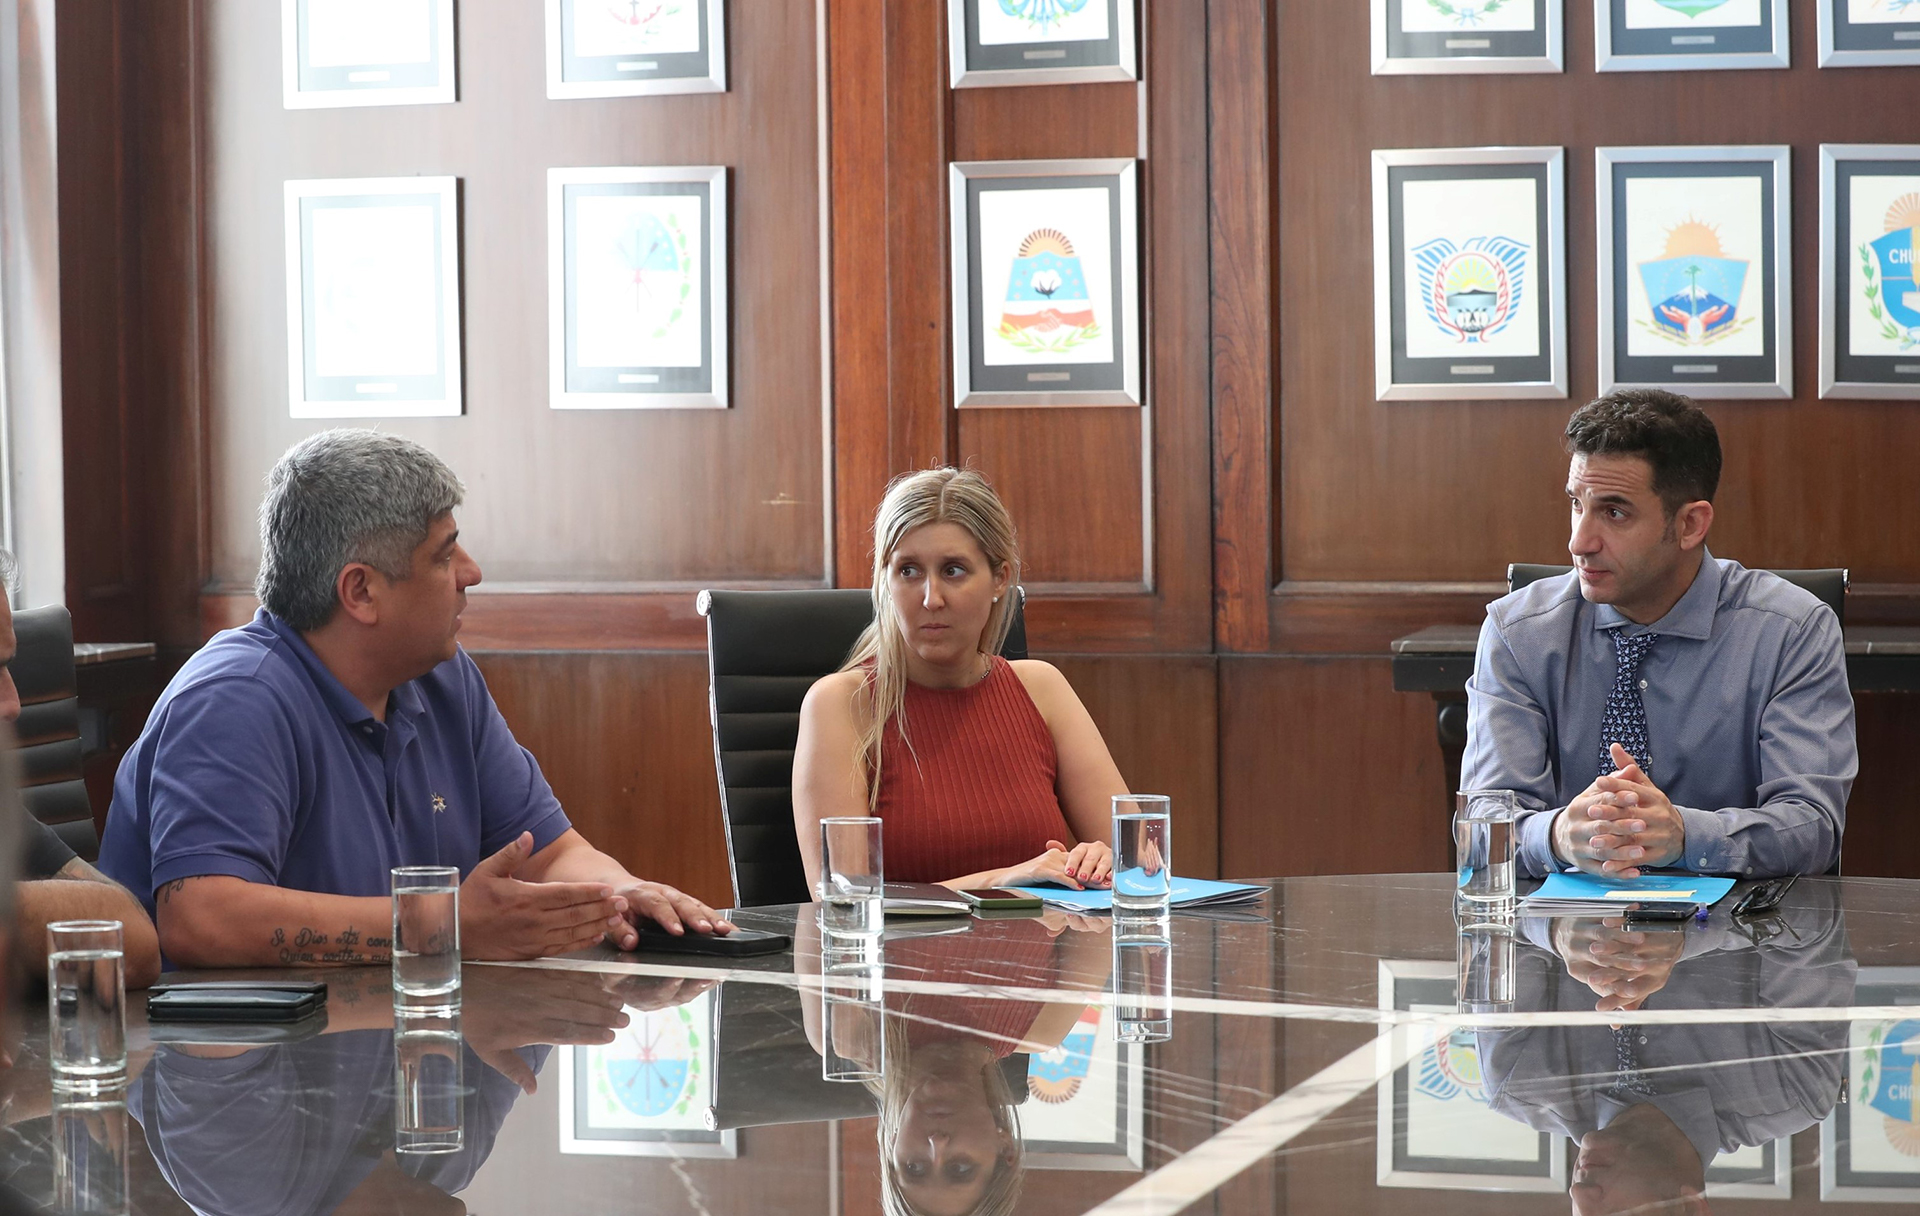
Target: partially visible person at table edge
x: 343, y: 731
x: 56, y: 884
x: 1659, y: 706
x: 985, y: 772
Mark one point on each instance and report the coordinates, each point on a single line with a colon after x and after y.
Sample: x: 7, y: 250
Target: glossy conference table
x: 1315, y: 1063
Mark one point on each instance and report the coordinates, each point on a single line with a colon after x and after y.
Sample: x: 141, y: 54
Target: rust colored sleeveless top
x: 977, y: 790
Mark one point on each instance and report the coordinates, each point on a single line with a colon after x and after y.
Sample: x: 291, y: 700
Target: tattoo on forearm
x: 169, y: 890
x: 310, y: 947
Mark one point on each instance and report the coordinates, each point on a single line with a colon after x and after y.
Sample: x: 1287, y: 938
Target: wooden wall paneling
x: 1081, y: 517
x: 1324, y: 769
x: 103, y: 578
x: 1448, y: 492
x: 1159, y: 716
x: 1880, y: 841
x: 631, y: 502
x: 1243, y: 258
x: 623, y: 738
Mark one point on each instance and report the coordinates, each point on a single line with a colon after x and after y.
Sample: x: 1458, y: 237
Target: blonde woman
x: 987, y: 773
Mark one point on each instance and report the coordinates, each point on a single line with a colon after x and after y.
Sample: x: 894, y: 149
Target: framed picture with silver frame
x: 1868, y: 33
x: 1003, y: 42
x: 366, y: 53
x: 1046, y: 283
x: 373, y: 297
x: 1868, y: 1142
x: 1695, y: 270
x: 1870, y: 270
x: 1421, y: 37
x: 648, y: 1093
x: 1434, y: 1128
x: 1469, y: 282
x: 1084, y: 1104
x: 637, y: 287
x: 1756, y: 1171
x: 631, y: 48
x: 1689, y: 35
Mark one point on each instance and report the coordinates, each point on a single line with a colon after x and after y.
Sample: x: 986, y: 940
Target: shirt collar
x: 1691, y: 617
x: 404, y: 702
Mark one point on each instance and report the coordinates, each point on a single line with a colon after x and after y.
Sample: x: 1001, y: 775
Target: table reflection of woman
x: 949, y: 1131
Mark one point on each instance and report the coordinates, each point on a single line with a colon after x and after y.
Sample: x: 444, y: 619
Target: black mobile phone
x: 741, y: 943
x: 1000, y: 899
x: 1661, y: 914
x: 236, y: 1001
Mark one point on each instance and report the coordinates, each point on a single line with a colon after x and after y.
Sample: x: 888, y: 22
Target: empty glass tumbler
x: 852, y: 877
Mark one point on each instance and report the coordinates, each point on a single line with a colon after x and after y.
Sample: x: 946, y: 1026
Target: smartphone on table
x: 1000, y: 899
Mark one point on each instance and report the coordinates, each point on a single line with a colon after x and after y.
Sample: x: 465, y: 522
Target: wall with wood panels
x: 1219, y: 572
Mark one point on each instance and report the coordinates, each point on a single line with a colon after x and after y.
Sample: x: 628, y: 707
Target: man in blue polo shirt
x: 293, y: 761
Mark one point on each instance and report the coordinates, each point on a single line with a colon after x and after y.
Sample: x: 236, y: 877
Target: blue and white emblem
x: 1894, y: 300
x: 1471, y: 291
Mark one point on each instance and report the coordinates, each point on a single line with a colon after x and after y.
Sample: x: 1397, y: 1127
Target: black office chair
x: 1829, y: 585
x: 55, y: 789
x: 765, y: 649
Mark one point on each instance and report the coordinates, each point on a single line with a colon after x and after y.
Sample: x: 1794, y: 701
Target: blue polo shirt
x: 257, y: 763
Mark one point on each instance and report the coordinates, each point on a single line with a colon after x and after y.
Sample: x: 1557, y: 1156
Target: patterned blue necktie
x: 1625, y: 719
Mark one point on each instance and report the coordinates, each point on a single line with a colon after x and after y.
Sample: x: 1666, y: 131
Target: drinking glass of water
x: 1142, y: 852
x: 86, y: 1005
x: 1485, y: 841
x: 852, y: 878
x: 426, y: 939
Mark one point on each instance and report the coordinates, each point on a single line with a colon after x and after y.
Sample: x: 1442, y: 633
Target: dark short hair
x: 1673, y: 434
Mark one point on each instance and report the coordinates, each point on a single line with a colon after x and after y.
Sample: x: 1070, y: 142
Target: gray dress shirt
x: 1748, y: 716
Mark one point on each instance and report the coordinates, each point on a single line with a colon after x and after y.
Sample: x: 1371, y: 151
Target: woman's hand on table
x: 1084, y: 865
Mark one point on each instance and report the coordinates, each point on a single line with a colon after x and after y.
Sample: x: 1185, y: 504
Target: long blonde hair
x: 1002, y: 1193
x: 914, y: 500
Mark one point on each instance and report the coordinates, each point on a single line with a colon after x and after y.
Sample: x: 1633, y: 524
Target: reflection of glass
x: 1485, y: 958
x: 853, y: 1014
x: 1142, y: 978
x: 428, y: 1106
x: 426, y: 939
x: 1485, y: 844
x: 86, y: 1004
x: 89, y: 1155
x: 1142, y: 852
x: 853, y: 879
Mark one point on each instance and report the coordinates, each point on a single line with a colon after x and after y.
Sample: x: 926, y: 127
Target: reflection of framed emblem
x: 373, y: 297
x: 622, y: 48
x: 1688, y: 35
x: 1083, y: 1109
x: 366, y: 52
x: 647, y: 1093
x: 1469, y: 249
x: 1046, y: 283
x: 1869, y: 270
x: 1868, y: 33
x: 1434, y: 1128
x: 1416, y: 37
x: 637, y: 287
x: 1695, y: 272
x: 1756, y: 1171
x: 1000, y: 42
x: 1870, y: 1144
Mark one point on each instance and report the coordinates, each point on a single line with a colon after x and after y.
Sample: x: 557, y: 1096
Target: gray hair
x: 340, y: 497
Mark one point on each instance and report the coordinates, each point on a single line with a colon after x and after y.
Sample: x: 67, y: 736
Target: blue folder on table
x: 1186, y: 893
x: 1567, y: 892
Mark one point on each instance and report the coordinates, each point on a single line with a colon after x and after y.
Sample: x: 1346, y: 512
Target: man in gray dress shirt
x: 1659, y: 706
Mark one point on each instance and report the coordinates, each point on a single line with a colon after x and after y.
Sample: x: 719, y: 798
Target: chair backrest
x: 765, y: 649
x: 1829, y: 585
x: 55, y: 789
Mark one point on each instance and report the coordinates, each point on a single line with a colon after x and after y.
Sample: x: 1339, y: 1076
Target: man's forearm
x: 40, y: 903
x: 572, y: 859
x: 219, y: 921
